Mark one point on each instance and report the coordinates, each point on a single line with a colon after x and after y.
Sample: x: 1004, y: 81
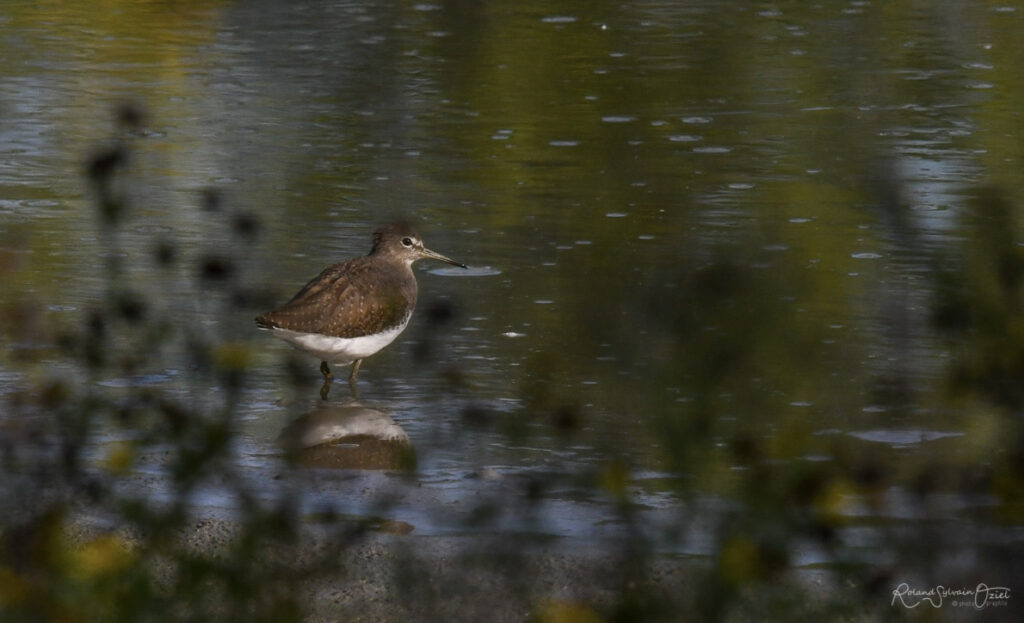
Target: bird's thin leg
x: 352, y: 378
x: 328, y: 379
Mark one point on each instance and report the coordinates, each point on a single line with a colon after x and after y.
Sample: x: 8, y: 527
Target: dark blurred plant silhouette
x: 75, y: 545
x: 979, y: 308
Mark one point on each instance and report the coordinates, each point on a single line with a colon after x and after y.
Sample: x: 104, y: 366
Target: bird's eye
x: 407, y: 242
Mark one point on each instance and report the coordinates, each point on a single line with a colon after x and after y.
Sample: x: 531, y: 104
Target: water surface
x: 707, y: 241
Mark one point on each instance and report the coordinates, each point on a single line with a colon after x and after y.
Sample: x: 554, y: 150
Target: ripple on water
x: 153, y: 229
x: 559, y: 19
x: 902, y: 437
x: 139, y: 380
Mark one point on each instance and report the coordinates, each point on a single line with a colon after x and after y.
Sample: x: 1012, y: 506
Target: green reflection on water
x: 727, y: 235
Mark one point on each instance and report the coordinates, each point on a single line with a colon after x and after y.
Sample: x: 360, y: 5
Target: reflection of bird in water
x: 357, y: 307
x: 350, y: 437
x: 332, y: 423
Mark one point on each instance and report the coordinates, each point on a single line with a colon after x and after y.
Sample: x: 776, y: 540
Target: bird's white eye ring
x: 407, y: 242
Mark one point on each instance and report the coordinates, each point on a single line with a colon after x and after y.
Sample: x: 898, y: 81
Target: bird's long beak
x: 427, y: 253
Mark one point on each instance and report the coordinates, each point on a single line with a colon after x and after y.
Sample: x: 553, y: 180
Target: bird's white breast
x: 341, y: 350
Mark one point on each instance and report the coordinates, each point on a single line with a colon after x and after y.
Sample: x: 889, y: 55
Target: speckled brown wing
x: 349, y: 299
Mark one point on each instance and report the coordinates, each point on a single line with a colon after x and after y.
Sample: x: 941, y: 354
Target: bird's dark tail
x: 265, y: 323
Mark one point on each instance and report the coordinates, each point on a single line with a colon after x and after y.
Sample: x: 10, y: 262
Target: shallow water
x: 818, y: 162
